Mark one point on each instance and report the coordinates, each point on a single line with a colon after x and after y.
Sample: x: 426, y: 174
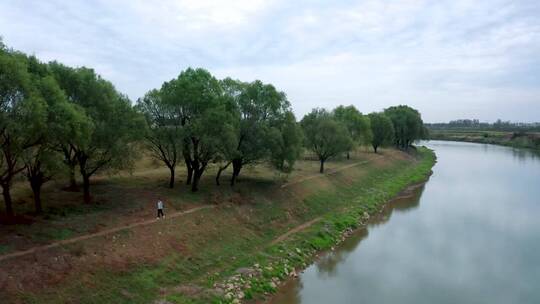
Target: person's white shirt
x: 160, y: 204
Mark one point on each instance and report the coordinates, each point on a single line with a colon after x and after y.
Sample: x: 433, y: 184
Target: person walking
x: 160, y: 209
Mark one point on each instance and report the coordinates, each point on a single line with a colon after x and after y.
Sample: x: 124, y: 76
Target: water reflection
x: 326, y: 265
x: 523, y: 155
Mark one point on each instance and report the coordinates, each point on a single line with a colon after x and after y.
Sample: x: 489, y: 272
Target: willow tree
x: 59, y: 121
x: 325, y: 136
x: 198, y: 105
x: 286, y: 142
x: 357, y: 125
x: 22, y: 112
x: 382, y: 130
x: 164, y: 135
x: 259, y: 105
x: 232, y: 90
x: 80, y: 130
x: 408, y: 125
x: 115, y: 124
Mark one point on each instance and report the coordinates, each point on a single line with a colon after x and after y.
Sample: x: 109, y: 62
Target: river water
x: 470, y: 235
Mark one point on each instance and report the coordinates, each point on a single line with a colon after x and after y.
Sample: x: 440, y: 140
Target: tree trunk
x: 221, y: 169
x: 348, y: 155
x: 321, y: 170
x: 36, y: 190
x: 72, y: 179
x: 196, y: 178
x: 7, y: 199
x: 86, y: 178
x: 189, y: 171
x: 237, y: 166
x: 375, y: 148
x: 86, y: 188
x: 171, y: 180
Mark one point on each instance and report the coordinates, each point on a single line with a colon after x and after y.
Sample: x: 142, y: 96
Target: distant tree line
x: 57, y: 121
x: 475, y: 124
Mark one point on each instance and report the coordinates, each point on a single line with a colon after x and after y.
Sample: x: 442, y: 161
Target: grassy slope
x: 146, y: 264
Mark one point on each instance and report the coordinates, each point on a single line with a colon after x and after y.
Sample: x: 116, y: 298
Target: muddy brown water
x: 470, y: 235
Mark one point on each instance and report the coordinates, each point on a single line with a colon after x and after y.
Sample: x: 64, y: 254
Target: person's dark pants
x: 160, y: 213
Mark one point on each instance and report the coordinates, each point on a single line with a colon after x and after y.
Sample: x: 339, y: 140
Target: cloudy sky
x: 449, y: 59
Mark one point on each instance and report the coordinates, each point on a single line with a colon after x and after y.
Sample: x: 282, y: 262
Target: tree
x: 356, y: 124
x: 232, y: 90
x: 61, y: 121
x: 325, y: 136
x: 41, y: 160
x: 69, y: 80
x: 259, y: 105
x: 212, y: 133
x: 407, y: 123
x: 286, y: 146
x: 115, y: 124
x: 21, y: 117
x: 382, y: 130
x: 199, y: 105
x: 164, y: 136
x: 41, y: 164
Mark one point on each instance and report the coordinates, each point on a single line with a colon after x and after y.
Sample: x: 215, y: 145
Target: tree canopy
x: 382, y: 130
x: 356, y: 124
x: 261, y: 106
x: 254, y: 122
x: 408, y: 125
x: 286, y: 138
x: 164, y: 134
x: 325, y: 136
x: 197, y: 104
x: 113, y: 124
x: 22, y: 113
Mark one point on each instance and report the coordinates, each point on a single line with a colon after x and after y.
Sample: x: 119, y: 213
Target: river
x: 470, y: 235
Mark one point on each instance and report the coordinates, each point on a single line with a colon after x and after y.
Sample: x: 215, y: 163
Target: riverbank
x: 305, y: 247
x: 237, y: 249
x: 290, y: 253
x: 510, y: 139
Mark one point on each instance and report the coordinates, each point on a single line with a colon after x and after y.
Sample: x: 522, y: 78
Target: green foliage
x: 104, y: 142
x: 324, y: 135
x: 198, y: 105
x: 58, y: 121
x: 262, y: 119
x: 22, y: 117
x: 357, y: 124
x: 286, y: 142
x: 408, y: 125
x: 382, y: 130
x: 165, y: 132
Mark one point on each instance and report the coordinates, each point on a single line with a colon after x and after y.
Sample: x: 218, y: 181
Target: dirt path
x: 295, y: 230
x: 326, y: 173
x: 173, y: 215
x: 101, y: 233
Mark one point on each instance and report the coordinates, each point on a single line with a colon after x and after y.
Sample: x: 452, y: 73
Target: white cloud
x: 450, y: 59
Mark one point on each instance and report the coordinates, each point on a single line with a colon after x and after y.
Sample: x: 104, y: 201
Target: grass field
x: 183, y: 259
